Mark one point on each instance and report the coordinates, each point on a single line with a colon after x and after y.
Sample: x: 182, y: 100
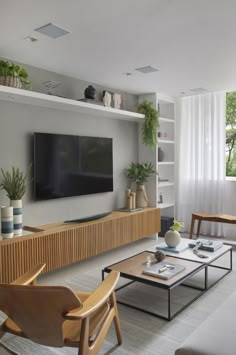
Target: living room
x: 91, y: 66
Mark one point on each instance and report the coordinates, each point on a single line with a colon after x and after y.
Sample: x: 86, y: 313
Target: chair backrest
x: 38, y: 310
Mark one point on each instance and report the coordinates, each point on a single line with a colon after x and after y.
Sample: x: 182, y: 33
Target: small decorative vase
x: 172, y: 238
x: 7, y: 222
x: 141, y: 196
x: 161, y: 154
x: 90, y: 93
x: 107, y: 99
x: 17, y: 216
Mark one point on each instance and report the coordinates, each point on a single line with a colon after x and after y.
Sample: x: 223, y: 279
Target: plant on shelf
x: 151, y: 123
x: 172, y: 236
x: 13, y: 75
x: 139, y: 173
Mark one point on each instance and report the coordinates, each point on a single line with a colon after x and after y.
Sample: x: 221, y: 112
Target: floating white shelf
x: 165, y: 184
x: 168, y: 120
x: 165, y: 163
x: 165, y: 205
x: 60, y: 103
x: 165, y: 141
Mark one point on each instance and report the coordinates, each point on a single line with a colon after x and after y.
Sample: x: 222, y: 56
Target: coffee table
x: 209, y: 262
x: 132, y: 269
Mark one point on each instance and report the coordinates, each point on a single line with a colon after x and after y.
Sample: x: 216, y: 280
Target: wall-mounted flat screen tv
x: 67, y: 165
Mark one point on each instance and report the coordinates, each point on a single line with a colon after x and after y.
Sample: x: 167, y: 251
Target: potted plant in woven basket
x: 13, y: 75
x: 139, y: 173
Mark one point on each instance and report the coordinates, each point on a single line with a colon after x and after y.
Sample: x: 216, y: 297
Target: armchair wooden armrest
x: 29, y: 278
x: 97, y: 298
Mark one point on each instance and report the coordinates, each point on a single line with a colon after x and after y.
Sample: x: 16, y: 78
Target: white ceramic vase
x: 141, y: 196
x: 172, y: 238
x: 17, y: 216
x: 7, y: 222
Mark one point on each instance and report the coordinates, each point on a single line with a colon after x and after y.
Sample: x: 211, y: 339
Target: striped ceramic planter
x: 17, y: 215
x: 7, y: 222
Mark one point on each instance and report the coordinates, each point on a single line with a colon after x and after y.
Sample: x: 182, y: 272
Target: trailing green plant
x: 14, y: 183
x: 8, y: 68
x: 139, y: 173
x: 177, y: 226
x: 151, y: 123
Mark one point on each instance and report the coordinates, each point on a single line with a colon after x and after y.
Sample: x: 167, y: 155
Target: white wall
x: 18, y: 122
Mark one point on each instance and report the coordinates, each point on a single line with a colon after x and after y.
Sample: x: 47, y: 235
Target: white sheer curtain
x: 200, y: 158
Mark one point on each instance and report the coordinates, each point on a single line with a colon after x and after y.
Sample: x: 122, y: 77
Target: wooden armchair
x: 57, y: 316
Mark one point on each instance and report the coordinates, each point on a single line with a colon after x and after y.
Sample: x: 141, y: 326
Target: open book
x: 164, y: 270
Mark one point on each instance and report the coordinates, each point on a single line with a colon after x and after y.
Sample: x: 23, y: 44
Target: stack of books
x: 164, y: 247
x: 164, y: 270
x: 208, y: 245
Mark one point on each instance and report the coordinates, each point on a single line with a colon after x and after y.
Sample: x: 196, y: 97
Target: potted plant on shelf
x: 14, y: 183
x: 151, y: 123
x: 172, y: 236
x: 13, y: 75
x: 139, y: 173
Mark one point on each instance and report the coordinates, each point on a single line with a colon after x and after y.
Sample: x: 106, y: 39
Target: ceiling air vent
x: 199, y: 90
x: 51, y: 30
x: 146, y: 70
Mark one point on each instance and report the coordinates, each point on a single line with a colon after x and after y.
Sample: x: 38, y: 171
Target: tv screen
x: 66, y: 165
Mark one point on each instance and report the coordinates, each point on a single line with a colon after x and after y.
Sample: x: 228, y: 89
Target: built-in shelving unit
x: 164, y: 205
x: 161, y: 193
x: 60, y: 103
x: 166, y: 166
x: 165, y: 141
x: 166, y: 163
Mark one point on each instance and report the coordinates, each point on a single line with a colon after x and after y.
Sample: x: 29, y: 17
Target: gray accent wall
x: 18, y: 122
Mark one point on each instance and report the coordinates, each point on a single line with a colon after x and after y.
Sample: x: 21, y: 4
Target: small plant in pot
x: 139, y: 173
x: 14, y: 183
x: 151, y: 123
x: 172, y: 236
x: 13, y: 75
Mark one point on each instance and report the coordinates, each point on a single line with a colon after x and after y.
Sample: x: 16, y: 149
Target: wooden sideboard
x: 62, y: 244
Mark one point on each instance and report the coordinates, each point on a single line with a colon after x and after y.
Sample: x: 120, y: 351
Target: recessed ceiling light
x: 198, y: 90
x: 146, y: 70
x: 51, y: 30
x: 31, y: 39
x: 127, y: 74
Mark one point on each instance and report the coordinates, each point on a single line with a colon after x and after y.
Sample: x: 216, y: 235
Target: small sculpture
x: 107, y: 99
x: 159, y: 255
x: 117, y: 100
x: 90, y: 92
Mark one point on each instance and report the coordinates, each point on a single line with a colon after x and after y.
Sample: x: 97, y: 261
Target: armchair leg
x: 84, y: 338
x: 116, y: 319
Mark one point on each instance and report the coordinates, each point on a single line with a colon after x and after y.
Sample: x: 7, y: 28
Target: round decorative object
x: 90, y: 93
x: 161, y: 154
x: 159, y: 255
x: 172, y: 238
x: 10, y: 81
x: 141, y: 196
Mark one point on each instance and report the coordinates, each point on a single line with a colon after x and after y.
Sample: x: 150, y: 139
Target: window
x: 231, y: 134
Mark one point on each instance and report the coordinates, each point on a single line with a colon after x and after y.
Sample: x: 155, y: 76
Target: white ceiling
x: 192, y: 42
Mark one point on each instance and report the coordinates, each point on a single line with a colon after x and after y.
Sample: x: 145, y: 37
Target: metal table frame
x: 202, y: 266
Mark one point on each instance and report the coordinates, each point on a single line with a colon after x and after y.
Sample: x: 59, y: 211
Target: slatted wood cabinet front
x: 62, y: 244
